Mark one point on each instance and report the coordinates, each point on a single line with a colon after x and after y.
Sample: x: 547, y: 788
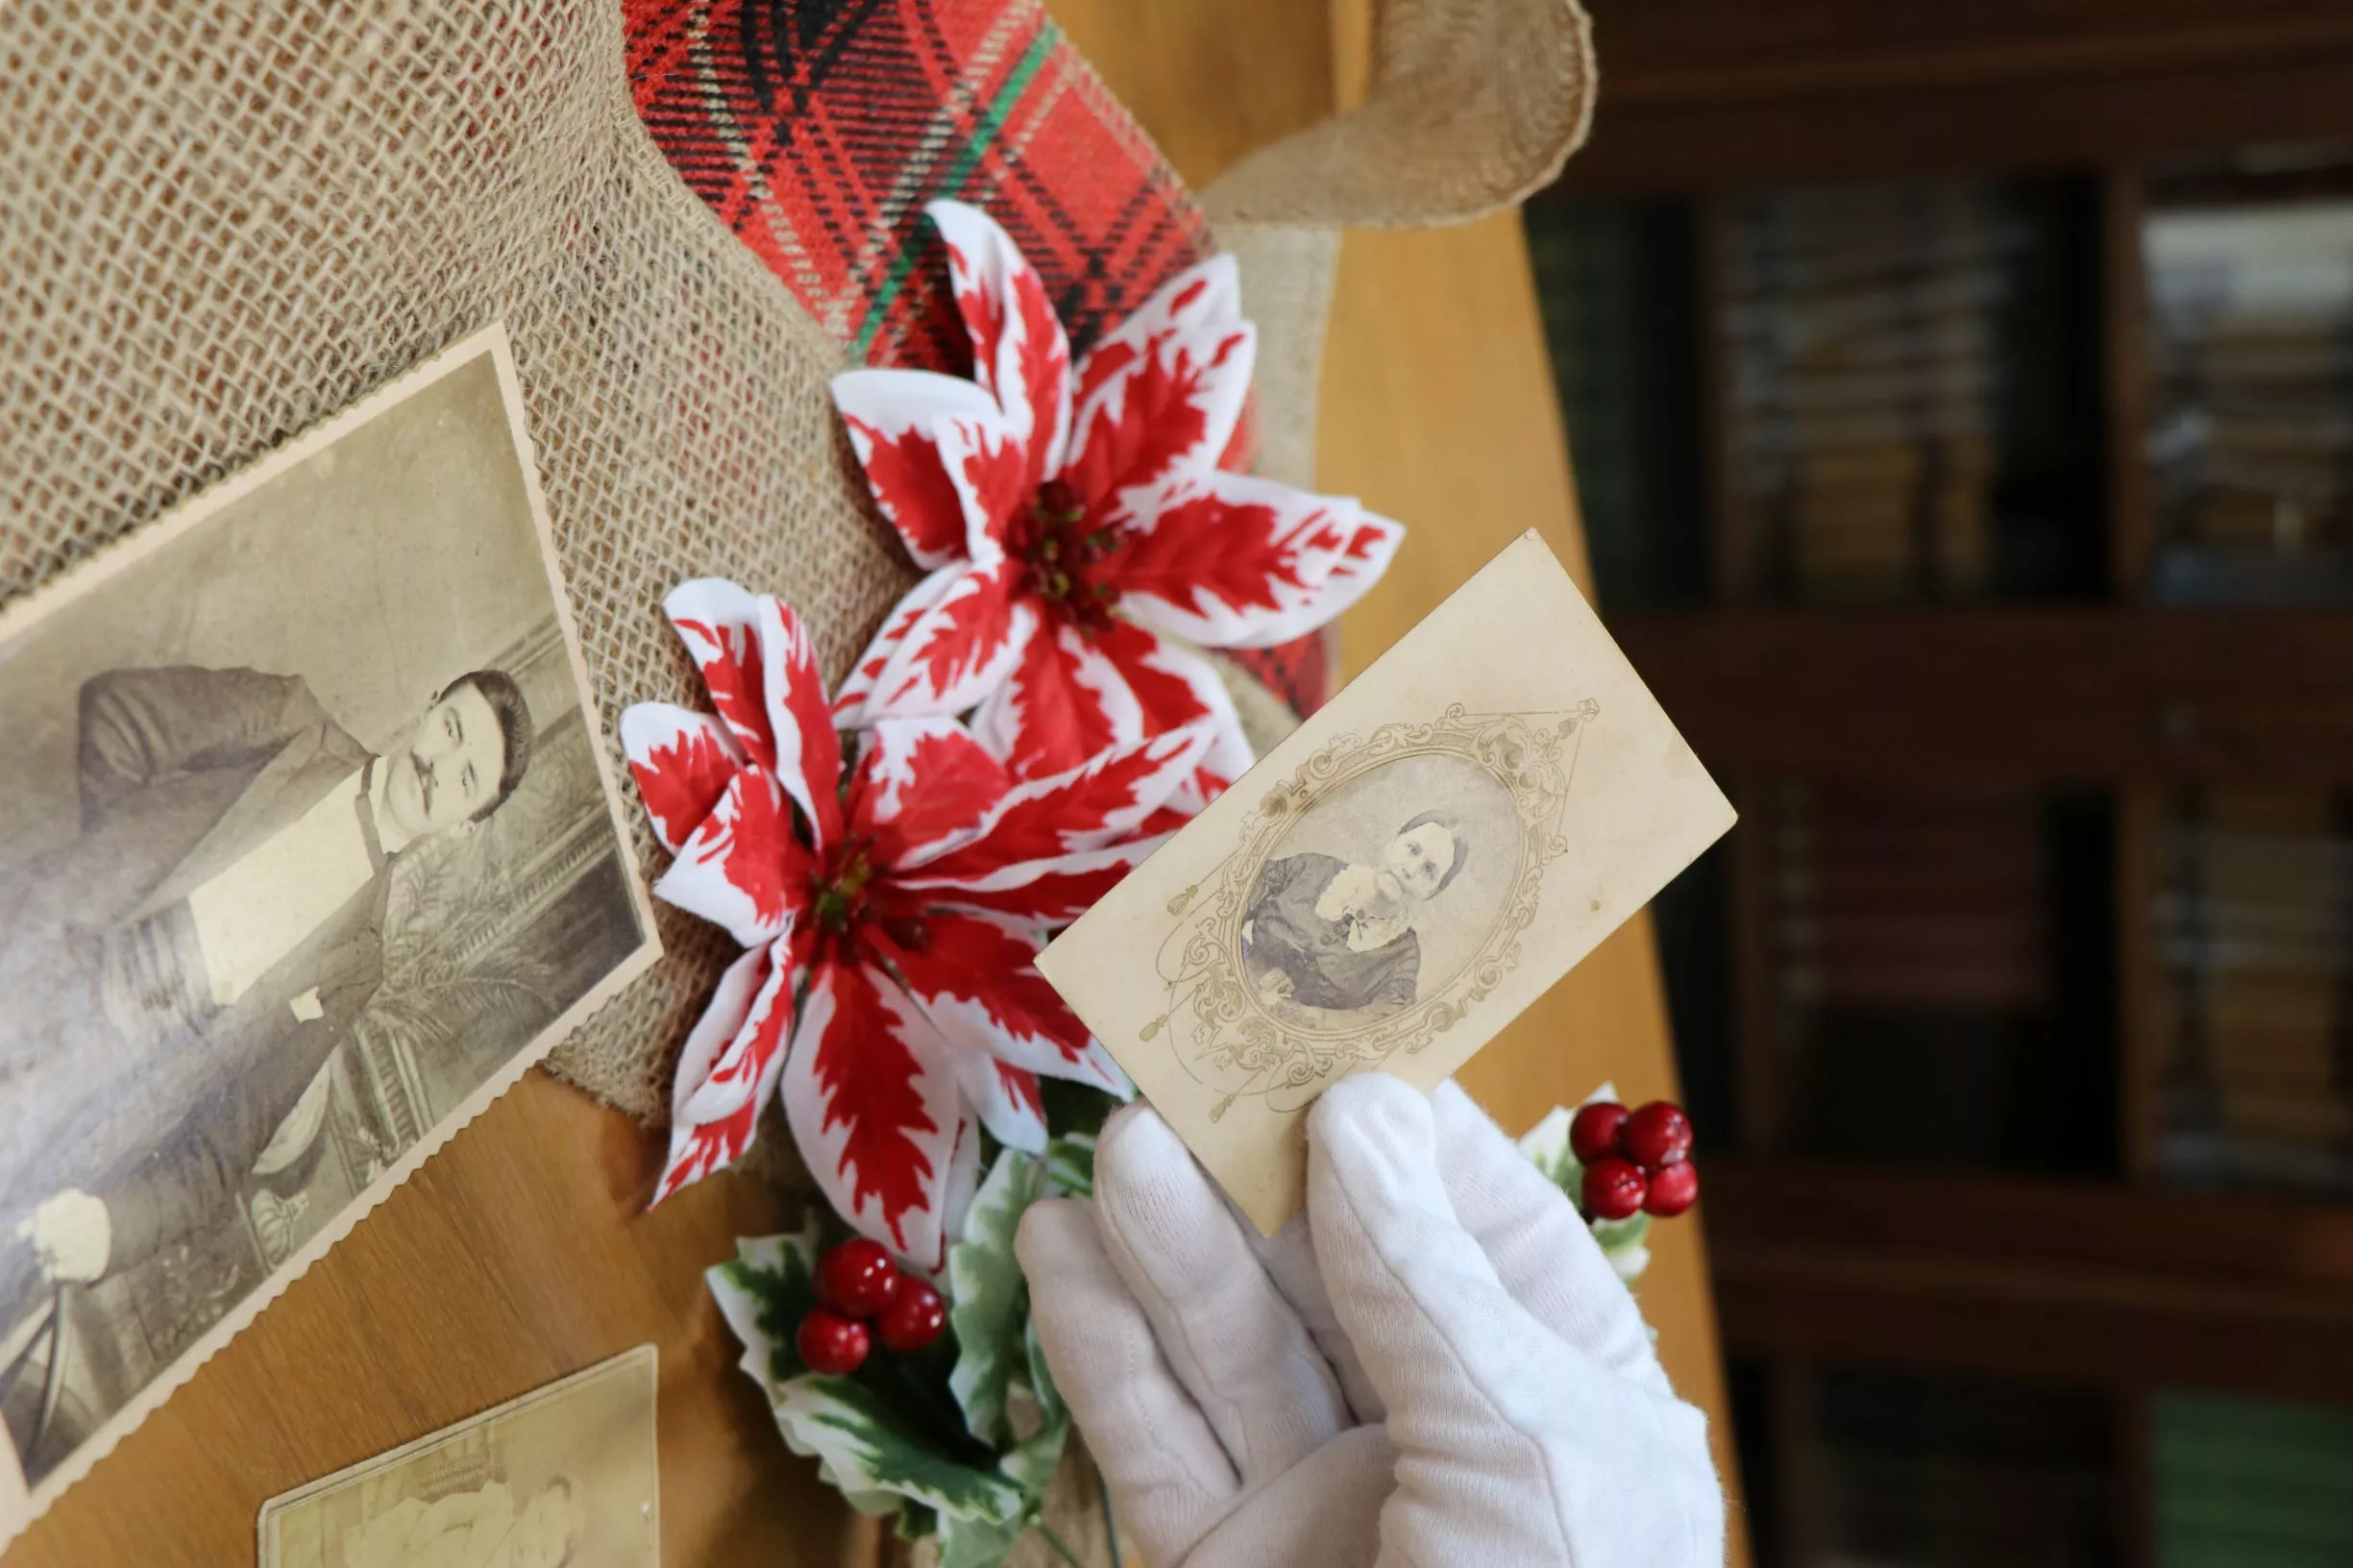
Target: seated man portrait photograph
x: 180, y: 974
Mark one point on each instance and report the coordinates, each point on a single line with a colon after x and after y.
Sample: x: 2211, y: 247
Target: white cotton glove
x: 1434, y: 1366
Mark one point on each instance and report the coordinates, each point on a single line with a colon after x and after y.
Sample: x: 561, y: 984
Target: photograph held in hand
x: 309, y: 850
x: 1395, y: 882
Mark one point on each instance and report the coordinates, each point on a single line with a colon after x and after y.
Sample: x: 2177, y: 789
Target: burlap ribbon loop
x: 1473, y: 105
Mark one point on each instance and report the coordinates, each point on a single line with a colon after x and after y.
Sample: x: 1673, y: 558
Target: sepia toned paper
x: 1397, y: 880
x: 565, y: 1476
x: 308, y: 848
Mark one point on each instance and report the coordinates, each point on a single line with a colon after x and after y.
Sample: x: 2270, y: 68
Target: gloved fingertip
x: 1450, y: 1107
x: 1049, y: 1228
x: 1381, y: 1114
x: 1133, y: 1137
x: 1121, y: 1117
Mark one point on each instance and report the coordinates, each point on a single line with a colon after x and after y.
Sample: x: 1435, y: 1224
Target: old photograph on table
x: 1395, y: 882
x: 308, y: 848
x: 564, y: 1476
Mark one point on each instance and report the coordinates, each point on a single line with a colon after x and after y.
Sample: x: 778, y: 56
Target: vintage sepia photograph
x: 309, y: 850
x: 1396, y: 881
x: 1370, y: 903
x: 565, y: 1476
x: 1378, y: 895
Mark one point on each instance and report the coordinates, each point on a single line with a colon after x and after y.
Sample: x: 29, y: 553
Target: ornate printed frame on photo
x: 1233, y: 1035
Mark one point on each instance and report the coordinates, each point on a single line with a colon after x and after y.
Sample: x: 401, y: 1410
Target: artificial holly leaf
x: 871, y: 1453
x: 764, y: 1294
x: 1031, y: 1463
x: 1041, y: 1380
x: 977, y: 1543
x: 1547, y: 1147
x: 1070, y: 1166
x: 990, y: 1296
x: 1622, y: 1243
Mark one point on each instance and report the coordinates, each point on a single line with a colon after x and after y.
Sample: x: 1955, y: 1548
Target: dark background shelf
x: 2017, y: 1016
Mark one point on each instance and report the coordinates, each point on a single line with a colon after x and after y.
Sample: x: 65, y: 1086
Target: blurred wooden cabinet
x: 2012, y: 591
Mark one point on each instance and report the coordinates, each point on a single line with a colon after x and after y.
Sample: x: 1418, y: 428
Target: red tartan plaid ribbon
x: 818, y: 129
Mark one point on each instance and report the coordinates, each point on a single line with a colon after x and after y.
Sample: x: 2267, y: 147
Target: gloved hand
x: 1433, y: 1366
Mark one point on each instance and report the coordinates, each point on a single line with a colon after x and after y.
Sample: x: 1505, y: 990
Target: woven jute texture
x: 222, y: 220
x: 1471, y: 106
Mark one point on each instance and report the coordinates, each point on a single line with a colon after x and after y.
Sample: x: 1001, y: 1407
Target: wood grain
x: 523, y: 1252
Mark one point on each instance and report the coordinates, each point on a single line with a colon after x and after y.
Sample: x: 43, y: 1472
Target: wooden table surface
x: 524, y: 1252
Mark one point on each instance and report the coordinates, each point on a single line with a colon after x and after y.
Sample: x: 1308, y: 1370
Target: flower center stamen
x: 838, y: 905
x: 1062, y: 555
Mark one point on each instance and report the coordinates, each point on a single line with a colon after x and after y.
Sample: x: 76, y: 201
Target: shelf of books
x: 2104, y: 392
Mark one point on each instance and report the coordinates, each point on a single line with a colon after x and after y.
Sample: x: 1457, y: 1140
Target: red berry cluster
x: 1634, y: 1160
x: 860, y: 1285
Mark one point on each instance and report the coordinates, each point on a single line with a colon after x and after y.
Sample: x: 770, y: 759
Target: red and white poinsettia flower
x: 890, y: 904
x: 1077, y: 527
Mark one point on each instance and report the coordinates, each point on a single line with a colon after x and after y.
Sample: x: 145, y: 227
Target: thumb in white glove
x: 1532, y: 1421
x: 1445, y: 1370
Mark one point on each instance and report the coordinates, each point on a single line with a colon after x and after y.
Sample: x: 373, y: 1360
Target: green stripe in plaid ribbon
x: 952, y: 184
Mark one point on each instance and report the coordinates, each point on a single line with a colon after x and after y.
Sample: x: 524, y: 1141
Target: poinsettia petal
x: 963, y: 1183
x: 719, y: 624
x: 1034, y: 893
x: 988, y: 471
x: 1057, y: 845
x: 1173, y: 688
x: 1063, y: 703
x: 729, y: 1068
x: 1019, y: 354
x: 922, y: 786
x: 892, y: 416
x: 1007, y: 1100
x: 960, y: 647
x: 875, y: 1107
x: 1229, y: 561
x: 808, y: 752
x: 1098, y: 802
x: 743, y: 868
x: 978, y: 983
x: 1363, y: 562
x: 682, y: 763
x: 849, y: 701
x: 1162, y: 392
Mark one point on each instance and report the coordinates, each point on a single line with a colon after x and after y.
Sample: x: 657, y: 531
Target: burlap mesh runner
x: 222, y: 221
